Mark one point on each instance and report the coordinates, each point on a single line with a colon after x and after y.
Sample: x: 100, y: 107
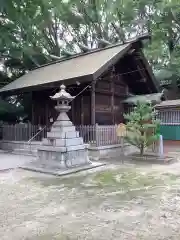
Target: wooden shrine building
x: 101, y: 79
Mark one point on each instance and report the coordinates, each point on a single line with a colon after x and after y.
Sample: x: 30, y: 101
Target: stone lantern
x: 63, y: 99
x: 63, y: 148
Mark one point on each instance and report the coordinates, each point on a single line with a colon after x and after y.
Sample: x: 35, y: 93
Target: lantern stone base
x: 56, y: 171
x: 63, y: 157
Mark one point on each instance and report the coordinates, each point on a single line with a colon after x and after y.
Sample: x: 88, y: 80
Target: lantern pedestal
x: 63, y: 151
x: 63, y: 148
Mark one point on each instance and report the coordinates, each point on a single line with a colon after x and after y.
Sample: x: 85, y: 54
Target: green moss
x: 171, y: 176
x: 106, y: 178
x: 69, y: 181
x: 126, y: 180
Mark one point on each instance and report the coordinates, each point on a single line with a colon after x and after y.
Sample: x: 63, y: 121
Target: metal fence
x: 97, y: 135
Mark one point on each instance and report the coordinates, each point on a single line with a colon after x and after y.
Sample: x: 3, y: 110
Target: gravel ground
x: 112, y: 202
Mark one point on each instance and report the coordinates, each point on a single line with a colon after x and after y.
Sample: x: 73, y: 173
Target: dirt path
x: 118, y: 202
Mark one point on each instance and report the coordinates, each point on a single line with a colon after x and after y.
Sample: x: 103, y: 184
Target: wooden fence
x: 23, y: 132
x: 97, y: 135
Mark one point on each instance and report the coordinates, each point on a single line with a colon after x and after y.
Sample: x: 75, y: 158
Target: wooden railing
x: 23, y: 132
x: 98, y: 135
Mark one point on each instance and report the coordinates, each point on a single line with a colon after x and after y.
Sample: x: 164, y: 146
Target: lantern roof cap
x: 62, y: 94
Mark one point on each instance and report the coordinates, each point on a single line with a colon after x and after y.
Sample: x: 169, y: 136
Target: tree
x: 142, y: 128
x: 35, y: 32
x: 33, y: 28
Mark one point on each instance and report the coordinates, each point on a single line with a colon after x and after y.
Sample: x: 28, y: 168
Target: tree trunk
x: 142, y: 150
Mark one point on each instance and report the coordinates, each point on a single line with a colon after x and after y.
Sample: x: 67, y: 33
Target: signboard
x: 121, y: 130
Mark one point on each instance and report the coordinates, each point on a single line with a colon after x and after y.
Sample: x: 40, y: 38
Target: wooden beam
x: 47, y: 113
x: 93, y: 103
x: 72, y: 110
x: 112, y: 98
x: 149, y: 70
x: 82, y: 110
x: 141, y: 70
x: 32, y: 114
x: 108, y: 93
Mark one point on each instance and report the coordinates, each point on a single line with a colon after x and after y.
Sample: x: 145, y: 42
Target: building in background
x: 103, y: 81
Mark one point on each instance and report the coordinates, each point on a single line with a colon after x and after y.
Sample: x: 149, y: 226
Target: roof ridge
x: 139, y: 38
x: 81, y: 54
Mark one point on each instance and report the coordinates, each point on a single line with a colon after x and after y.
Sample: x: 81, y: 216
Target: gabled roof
x: 91, y: 65
x: 149, y: 98
x: 169, y: 104
x: 79, y: 67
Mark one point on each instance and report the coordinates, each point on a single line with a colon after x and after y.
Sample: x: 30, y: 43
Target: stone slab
x: 56, y: 142
x: 62, y: 124
x: 152, y: 159
x: 61, y: 149
x: 69, y: 142
x: 110, y: 151
x: 62, y: 172
x: 63, y: 129
x: 60, y: 134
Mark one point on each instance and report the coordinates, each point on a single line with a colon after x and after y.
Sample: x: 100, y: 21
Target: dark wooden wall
x: 102, y: 103
x: 43, y: 107
x: 110, y: 91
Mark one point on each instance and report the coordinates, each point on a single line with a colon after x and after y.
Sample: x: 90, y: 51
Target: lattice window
x: 170, y: 117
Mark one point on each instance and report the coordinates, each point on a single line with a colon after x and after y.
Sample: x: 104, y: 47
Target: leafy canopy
x: 35, y: 32
x: 142, y: 128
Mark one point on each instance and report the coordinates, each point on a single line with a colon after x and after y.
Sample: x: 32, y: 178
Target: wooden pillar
x: 93, y: 103
x: 82, y: 110
x: 72, y: 110
x: 33, y: 113
x: 47, y: 114
x: 112, y: 99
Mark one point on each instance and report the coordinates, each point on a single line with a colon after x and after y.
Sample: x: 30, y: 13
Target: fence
x: 170, y: 123
x: 93, y: 134
x: 23, y: 132
x: 170, y: 116
x: 99, y: 135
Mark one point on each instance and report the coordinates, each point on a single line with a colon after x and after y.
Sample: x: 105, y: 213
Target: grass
x: 70, y: 181
x: 130, y: 184
x: 127, y: 179
x: 115, y: 179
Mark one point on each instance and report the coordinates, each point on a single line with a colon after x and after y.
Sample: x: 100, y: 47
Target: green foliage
x: 142, y: 128
x: 34, y: 32
x: 10, y: 112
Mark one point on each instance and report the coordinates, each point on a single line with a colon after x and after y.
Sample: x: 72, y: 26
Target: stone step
x: 25, y: 152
